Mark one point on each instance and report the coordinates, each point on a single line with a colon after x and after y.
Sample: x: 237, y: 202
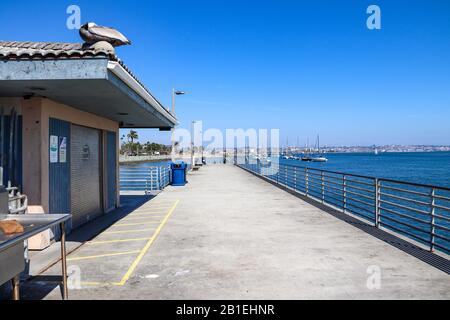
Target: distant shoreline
x: 384, y: 152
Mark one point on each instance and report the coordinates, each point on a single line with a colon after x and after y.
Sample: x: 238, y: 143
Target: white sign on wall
x: 62, y: 149
x: 53, y: 149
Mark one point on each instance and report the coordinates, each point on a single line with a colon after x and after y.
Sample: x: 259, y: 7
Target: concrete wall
x: 36, y: 113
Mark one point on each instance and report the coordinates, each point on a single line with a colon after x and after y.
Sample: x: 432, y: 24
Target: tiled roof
x: 50, y: 50
x: 16, y: 50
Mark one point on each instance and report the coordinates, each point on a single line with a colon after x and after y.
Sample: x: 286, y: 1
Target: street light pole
x: 192, y: 145
x: 173, y: 129
x: 174, y: 94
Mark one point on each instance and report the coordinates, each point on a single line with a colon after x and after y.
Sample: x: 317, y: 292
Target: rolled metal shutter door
x: 85, y: 174
x: 111, y: 169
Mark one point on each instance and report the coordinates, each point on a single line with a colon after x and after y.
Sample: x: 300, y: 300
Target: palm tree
x: 133, y: 135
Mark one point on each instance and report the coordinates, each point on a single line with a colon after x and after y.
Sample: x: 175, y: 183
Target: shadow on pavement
x: 39, y: 286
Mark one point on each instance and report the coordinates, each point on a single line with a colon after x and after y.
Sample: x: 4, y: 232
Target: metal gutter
x: 123, y: 75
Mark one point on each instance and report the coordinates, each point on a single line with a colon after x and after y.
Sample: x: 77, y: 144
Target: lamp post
x: 174, y: 94
x: 193, y: 142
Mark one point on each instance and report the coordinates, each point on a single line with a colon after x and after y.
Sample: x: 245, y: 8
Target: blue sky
x: 305, y: 67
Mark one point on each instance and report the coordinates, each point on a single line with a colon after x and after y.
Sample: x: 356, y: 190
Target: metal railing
x: 132, y: 159
x: 17, y: 202
x: 418, y: 211
x: 146, y: 179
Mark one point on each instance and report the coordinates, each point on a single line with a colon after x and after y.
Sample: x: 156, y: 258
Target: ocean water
x: 425, y: 168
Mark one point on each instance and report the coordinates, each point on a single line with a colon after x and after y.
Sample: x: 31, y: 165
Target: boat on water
x: 319, y: 157
x: 310, y: 155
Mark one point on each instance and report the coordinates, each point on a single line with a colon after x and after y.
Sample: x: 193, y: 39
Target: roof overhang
x: 95, y: 85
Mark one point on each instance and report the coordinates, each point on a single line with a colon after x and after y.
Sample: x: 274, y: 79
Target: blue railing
x: 418, y: 211
x: 145, y: 178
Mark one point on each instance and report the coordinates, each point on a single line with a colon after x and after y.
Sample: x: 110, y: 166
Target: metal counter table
x: 34, y: 224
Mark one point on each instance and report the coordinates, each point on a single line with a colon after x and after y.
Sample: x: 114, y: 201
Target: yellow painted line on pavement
x: 136, y: 224
x: 152, y: 214
x: 147, y: 215
x: 103, y: 255
x: 135, y: 213
x: 146, y: 218
x: 147, y: 246
x: 153, y: 207
x: 117, y: 241
x: 126, y: 231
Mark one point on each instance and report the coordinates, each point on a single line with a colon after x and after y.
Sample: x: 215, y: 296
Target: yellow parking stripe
x: 147, y: 215
x: 136, y: 224
x: 103, y: 255
x: 117, y: 241
x: 141, y: 218
x: 126, y: 231
x: 147, y: 246
x: 134, y: 213
x: 153, y: 208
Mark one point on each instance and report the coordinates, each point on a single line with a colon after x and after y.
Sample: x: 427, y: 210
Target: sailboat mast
x: 318, y: 144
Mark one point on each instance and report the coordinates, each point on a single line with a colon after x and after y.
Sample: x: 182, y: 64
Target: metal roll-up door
x: 85, y: 174
x: 111, y: 169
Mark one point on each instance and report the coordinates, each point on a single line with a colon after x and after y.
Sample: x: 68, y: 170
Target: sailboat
x: 319, y: 157
x: 306, y: 157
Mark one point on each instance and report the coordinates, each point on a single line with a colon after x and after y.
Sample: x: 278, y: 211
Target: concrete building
x: 62, y: 106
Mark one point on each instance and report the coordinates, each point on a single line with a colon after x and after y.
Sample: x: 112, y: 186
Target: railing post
x: 322, y: 178
x: 433, y: 211
x: 377, y: 203
x: 146, y: 186
x: 295, y: 178
x: 152, y: 180
x: 286, y: 176
x: 278, y: 175
x: 306, y: 181
x: 344, y: 188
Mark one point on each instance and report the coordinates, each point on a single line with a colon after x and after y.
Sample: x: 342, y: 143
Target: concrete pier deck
x: 230, y: 235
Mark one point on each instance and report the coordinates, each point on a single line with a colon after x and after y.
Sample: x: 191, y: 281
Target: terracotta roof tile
x: 49, y: 50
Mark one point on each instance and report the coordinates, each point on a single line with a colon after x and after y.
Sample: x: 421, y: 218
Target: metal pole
x: 64, y: 261
x: 278, y: 175
x: 15, y: 282
x: 192, y: 144
x: 306, y: 181
x: 173, y: 129
x: 323, y: 187
x: 173, y: 101
x: 146, y: 186
x: 286, y: 176
x: 344, y: 178
x: 295, y: 178
x: 433, y: 211
x: 377, y: 203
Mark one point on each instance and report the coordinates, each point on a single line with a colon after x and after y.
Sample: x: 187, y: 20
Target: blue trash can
x: 178, y: 173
